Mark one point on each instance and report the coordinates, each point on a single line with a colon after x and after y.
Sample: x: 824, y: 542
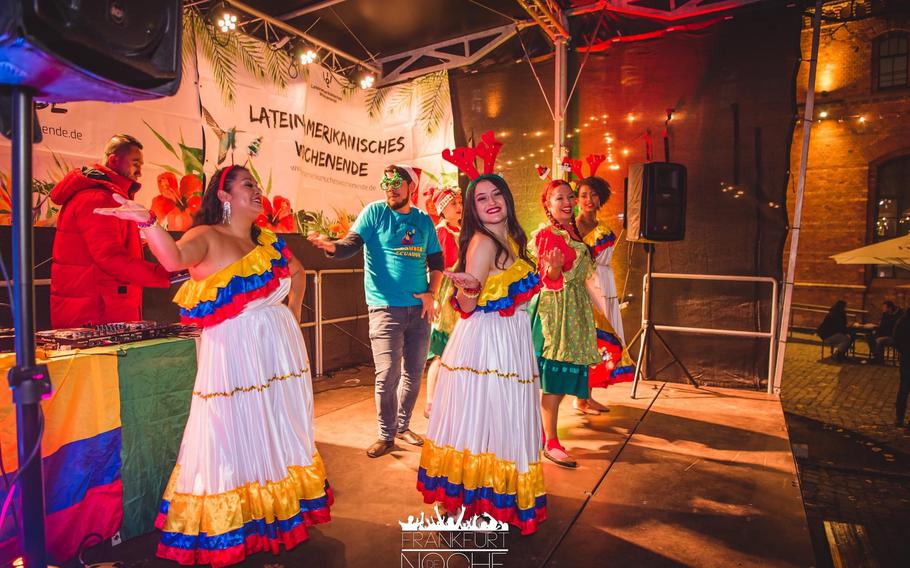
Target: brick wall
x: 844, y: 153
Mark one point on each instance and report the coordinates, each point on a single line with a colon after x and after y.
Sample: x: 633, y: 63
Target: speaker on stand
x: 101, y: 50
x: 655, y: 211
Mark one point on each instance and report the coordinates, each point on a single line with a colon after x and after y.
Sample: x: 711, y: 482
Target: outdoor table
x: 112, y: 430
x: 864, y: 331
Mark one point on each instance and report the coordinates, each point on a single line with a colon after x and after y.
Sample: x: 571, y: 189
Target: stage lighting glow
x: 307, y: 56
x: 227, y: 22
x: 367, y: 81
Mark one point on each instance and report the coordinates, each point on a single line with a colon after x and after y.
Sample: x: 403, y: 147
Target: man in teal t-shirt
x: 400, y: 247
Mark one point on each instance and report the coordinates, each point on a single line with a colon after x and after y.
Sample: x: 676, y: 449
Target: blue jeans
x: 400, y: 339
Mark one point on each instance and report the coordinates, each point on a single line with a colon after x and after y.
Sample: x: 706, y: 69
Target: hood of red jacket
x: 94, y: 177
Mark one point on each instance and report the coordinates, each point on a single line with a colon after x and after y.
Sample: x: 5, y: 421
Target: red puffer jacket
x: 98, y: 270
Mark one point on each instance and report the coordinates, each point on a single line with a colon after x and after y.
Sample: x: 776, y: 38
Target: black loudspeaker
x: 656, y: 202
x: 100, y: 50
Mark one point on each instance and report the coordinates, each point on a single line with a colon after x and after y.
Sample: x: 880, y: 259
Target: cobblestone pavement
x: 853, y: 462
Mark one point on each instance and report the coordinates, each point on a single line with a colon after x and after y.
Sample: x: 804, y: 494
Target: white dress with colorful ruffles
x: 617, y: 366
x: 248, y: 477
x: 483, y: 443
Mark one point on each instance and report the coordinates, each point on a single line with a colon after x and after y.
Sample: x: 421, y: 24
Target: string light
x: 823, y: 114
x: 625, y: 151
x: 862, y: 119
x: 631, y: 117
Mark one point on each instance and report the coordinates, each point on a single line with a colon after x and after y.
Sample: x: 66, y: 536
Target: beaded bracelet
x: 149, y: 223
x: 470, y: 292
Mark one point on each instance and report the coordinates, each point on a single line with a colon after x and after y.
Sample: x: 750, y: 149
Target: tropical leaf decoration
x: 44, y: 213
x: 224, y: 51
x: 431, y: 92
x: 433, y: 99
x: 318, y: 221
x: 376, y: 99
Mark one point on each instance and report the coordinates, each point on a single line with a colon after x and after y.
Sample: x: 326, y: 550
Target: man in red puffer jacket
x: 98, y: 270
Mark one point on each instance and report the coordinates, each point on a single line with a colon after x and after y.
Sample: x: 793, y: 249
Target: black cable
x: 80, y: 549
x: 9, y: 289
x: 27, y: 461
x: 9, y: 487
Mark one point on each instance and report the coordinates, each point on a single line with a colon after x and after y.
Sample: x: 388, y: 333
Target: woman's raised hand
x: 463, y: 280
x: 128, y: 211
x: 553, y: 260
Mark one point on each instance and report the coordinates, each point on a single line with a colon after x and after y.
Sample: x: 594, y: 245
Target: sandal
x: 557, y: 454
x: 584, y: 408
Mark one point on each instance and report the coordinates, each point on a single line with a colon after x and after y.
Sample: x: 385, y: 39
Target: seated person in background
x: 884, y: 335
x: 833, y: 330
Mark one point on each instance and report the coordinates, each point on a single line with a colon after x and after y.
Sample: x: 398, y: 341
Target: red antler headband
x: 224, y: 174
x: 594, y: 161
x: 463, y: 157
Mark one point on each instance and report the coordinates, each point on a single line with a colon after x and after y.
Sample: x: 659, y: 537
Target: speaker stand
x: 648, y: 330
x: 28, y: 381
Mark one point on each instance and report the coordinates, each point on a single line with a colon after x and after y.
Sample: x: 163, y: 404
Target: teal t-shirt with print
x: 395, y: 253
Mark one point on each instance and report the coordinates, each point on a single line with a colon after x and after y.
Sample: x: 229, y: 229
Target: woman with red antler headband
x: 567, y: 341
x: 616, y: 366
x: 447, y: 203
x: 482, y: 450
x: 248, y: 477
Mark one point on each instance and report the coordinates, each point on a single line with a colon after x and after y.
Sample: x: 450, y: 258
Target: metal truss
x: 448, y: 54
x: 548, y: 16
x: 661, y: 9
x: 332, y: 57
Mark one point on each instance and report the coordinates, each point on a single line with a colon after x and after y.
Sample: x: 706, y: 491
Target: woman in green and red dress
x: 566, y: 339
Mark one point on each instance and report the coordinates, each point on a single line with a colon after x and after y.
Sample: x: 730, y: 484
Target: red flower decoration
x: 177, y: 202
x: 277, y: 215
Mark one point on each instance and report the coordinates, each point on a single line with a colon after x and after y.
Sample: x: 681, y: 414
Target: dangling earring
x: 226, y: 212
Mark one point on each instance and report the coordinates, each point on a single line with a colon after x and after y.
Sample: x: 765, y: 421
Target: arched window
x: 892, y: 208
x: 891, y: 64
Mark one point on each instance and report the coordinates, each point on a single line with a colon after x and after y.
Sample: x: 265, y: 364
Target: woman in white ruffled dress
x: 248, y: 477
x: 483, y: 445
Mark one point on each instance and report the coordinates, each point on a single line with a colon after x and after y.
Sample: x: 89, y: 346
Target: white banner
x: 317, y: 148
x: 316, y: 144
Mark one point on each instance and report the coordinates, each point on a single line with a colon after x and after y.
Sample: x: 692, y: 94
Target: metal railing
x: 729, y: 332
x: 321, y: 322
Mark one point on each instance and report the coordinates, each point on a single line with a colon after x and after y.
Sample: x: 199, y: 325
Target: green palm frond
x: 431, y: 92
x: 277, y: 64
x: 433, y: 97
x: 220, y: 56
x: 376, y: 99
x: 401, y: 97
x: 224, y: 53
x: 192, y: 20
x: 249, y: 51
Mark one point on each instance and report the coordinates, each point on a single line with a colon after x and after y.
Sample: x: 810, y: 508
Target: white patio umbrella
x: 894, y: 251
